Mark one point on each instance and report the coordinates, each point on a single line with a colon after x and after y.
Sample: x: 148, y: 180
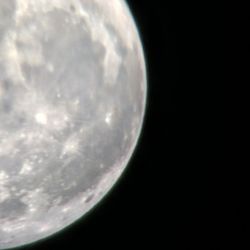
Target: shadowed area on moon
x: 72, y: 99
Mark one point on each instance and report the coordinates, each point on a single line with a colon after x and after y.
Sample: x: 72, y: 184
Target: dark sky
x: 169, y: 197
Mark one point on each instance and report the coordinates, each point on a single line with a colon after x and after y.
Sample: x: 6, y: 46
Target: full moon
x: 72, y: 102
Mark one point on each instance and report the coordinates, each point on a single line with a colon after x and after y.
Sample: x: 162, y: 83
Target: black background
x: 170, y: 194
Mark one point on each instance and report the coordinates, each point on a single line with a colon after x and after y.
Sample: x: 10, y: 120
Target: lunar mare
x: 72, y: 102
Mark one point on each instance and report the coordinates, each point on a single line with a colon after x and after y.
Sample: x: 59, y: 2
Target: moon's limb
x: 72, y: 102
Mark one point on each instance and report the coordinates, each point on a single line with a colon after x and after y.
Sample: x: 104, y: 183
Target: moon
x: 72, y: 102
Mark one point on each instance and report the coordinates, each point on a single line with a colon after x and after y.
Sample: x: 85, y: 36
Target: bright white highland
x: 72, y: 101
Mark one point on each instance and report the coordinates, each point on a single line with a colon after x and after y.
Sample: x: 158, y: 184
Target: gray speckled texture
x: 72, y: 100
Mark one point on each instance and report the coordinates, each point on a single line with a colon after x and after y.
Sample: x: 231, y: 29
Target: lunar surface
x: 72, y: 101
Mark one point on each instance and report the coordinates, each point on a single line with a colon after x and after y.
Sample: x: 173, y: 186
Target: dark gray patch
x: 89, y: 198
x: 72, y: 8
x: 12, y: 208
